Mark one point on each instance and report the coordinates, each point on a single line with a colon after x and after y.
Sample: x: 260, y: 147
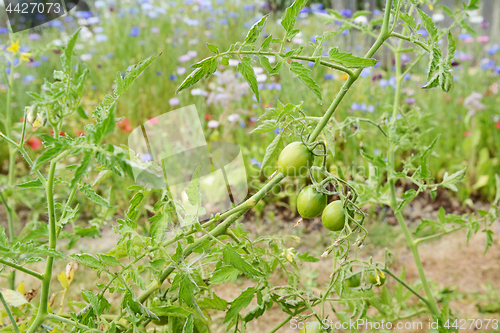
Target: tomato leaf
x: 349, y: 60
x: 303, y: 74
x: 428, y: 25
x: 291, y: 13
x: 239, y: 303
x: 255, y: 30
x: 248, y: 74
x: 92, y: 195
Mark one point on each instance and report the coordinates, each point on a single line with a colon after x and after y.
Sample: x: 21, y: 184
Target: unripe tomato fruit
x: 353, y: 282
x: 295, y: 159
x: 333, y: 216
x: 311, y: 327
x: 360, y: 136
x: 310, y: 203
x: 373, y: 279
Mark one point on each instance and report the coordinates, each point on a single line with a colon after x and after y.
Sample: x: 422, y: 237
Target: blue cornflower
x: 134, y: 31
x: 28, y: 79
x: 4, y: 30
x: 346, y: 12
x: 278, y: 130
x: 254, y: 161
x: 493, y: 49
x: 328, y: 76
x: 146, y: 157
x: 172, y: 77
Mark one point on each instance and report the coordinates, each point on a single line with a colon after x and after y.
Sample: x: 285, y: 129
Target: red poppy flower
x: 208, y: 117
x: 80, y: 133
x: 34, y: 143
x: 498, y: 125
x: 468, y: 133
x: 124, y: 125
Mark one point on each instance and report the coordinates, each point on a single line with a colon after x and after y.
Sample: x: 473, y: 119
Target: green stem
x: 12, y: 167
x: 54, y: 317
x: 21, y: 268
x: 11, y: 317
x: 423, y: 239
x: 283, y: 323
x: 281, y: 55
x: 405, y: 285
x: 384, y: 34
x: 431, y: 302
x: 47, y: 275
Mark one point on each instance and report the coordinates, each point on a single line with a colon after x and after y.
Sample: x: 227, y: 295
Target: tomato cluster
x: 295, y: 160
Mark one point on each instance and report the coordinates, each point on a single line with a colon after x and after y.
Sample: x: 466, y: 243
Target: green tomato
x: 372, y: 277
x: 312, y: 327
x: 353, y: 282
x: 295, y: 159
x: 360, y: 136
x: 333, y: 216
x: 310, y: 203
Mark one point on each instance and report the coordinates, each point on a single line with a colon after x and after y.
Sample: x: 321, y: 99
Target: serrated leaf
x: 188, y: 325
x: 82, y: 168
x: 489, y: 239
x: 92, y: 195
x: 497, y: 184
x: 4, y: 241
x: 428, y: 25
x: 232, y: 257
x: 303, y: 74
x: 171, y: 311
x: 239, y: 303
x: 451, y: 47
x: 105, y: 127
x: 30, y: 248
x: 93, y: 301
x: 31, y: 184
x: 224, y: 274
x: 473, y: 5
x: 49, y: 155
x: 159, y: 226
x: 265, y: 44
x: 265, y: 126
x: 122, y: 83
x: 349, y: 60
x: 108, y: 260
x: 248, y: 73
x: 87, y: 260
x: 271, y: 149
x: 193, y: 190
x: 136, y: 278
x: 213, y: 48
x: 215, y: 303
x: 255, y: 30
x: 408, y: 19
x: 206, y: 68
x: 450, y: 181
x: 291, y: 13
x: 68, y: 52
